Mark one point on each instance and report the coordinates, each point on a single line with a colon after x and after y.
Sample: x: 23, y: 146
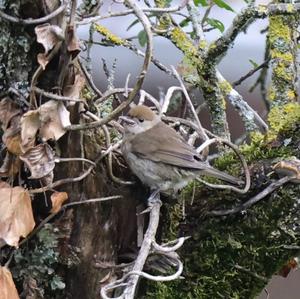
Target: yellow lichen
x: 288, y: 57
x: 262, y: 9
x: 291, y: 94
x: 271, y: 94
x: 290, y: 7
x: 186, y: 46
x: 203, y: 44
x: 225, y: 87
x: 283, y: 116
x: 281, y: 72
x: 279, y: 29
x: 109, y: 35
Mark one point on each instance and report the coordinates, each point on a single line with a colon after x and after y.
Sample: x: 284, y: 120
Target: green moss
x: 254, y: 240
x: 109, y: 35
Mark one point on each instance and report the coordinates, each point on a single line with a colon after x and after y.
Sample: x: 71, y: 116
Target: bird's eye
x: 141, y: 120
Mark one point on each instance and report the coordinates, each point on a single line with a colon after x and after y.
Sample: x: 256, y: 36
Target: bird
x: 159, y: 156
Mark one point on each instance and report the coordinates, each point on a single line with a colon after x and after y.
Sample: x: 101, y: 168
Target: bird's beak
x: 127, y: 120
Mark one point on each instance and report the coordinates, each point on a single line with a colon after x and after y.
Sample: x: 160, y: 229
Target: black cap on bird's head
x: 139, y: 119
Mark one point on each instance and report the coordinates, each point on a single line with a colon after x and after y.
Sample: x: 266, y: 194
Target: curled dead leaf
x: 73, y: 85
x: 7, y: 287
x: 57, y: 199
x: 289, y: 167
x: 4, y: 185
x: 39, y: 160
x: 11, y: 166
x: 73, y: 42
x: 50, y: 120
x: 30, y: 124
x: 54, y: 118
x: 16, y: 215
x: 47, y: 35
x: 13, y: 144
x: 8, y: 110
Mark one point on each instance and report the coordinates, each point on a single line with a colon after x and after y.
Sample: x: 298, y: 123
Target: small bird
x: 159, y: 156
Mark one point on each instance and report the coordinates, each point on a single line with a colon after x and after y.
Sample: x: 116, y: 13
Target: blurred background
x: 248, y: 46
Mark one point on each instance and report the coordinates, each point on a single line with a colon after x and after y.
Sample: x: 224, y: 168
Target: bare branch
x: 44, y: 19
x: 147, y: 27
x: 203, y: 135
x: 247, y: 113
x: 272, y: 187
x: 251, y: 72
x: 241, y: 158
x: 132, y: 11
x: 55, y: 96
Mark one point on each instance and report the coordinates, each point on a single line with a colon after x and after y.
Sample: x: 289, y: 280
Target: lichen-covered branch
x: 218, y: 49
x: 283, y: 48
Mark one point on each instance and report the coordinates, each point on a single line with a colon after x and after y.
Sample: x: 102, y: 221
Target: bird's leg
x: 153, y: 199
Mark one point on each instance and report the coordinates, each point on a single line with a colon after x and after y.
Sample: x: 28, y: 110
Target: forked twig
x: 272, y: 187
x: 128, y: 283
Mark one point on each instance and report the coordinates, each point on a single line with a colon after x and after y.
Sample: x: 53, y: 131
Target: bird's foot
x: 154, y: 198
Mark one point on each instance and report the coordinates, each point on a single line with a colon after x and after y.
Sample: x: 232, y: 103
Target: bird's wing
x: 162, y: 144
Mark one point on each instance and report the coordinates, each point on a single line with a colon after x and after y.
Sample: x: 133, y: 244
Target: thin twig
x: 272, y: 187
x: 51, y: 216
x: 241, y: 158
x: 55, y: 96
x: 203, y: 135
x: 89, y: 79
x: 131, y: 11
x: 250, y: 73
x: 59, y: 160
x: 30, y: 21
x: 147, y: 27
x: 79, y: 178
x: 251, y: 273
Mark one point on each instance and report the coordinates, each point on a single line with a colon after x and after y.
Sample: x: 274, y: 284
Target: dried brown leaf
x: 11, y: 166
x: 8, y: 109
x: 54, y: 118
x: 13, y: 144
x: 30, y: 124
x: 73, y: 42
x: 47, y: 35
x: 7, y: 287
x: 48, y: 179
x: 57, y: 199
x: 75, y: 87
x: 4, y: 185
x: 50, y: 120
x: 39, y: 160
x: 16, y: 215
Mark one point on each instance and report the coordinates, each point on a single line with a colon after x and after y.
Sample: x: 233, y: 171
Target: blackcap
x: 159, y: 156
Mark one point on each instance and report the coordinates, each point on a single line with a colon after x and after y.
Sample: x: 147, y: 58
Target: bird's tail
x: 212, y: 172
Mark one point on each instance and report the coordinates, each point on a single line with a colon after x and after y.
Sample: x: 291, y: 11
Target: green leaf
x: 142, y: 36
x: 132, y: 24
x: 184, y: 22
x: 223, y: 4
x: 202, y: 2
x: 216, y: 24
x: 253, y: 63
